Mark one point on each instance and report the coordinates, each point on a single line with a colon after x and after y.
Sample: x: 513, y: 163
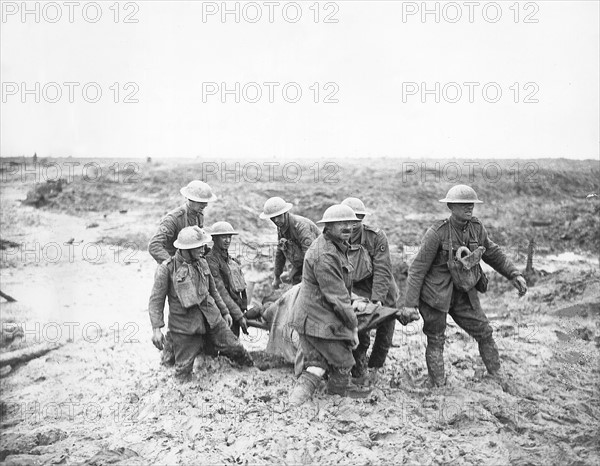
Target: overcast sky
x: 371, y: 62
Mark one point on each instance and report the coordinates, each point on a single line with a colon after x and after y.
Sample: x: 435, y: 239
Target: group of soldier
x: 343, y: 271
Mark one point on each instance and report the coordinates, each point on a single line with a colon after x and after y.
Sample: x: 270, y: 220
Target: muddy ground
x: 80, y: 273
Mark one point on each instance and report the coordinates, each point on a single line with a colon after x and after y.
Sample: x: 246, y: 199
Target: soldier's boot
x: 374, y: 373
x: 167, y: 357
x: 360, y: 374
x: 183, y: 377
x: 489, y: 353
x: 340, y: 384
x: 244, y: 359
x: 434, y: 357
x: 491, y: 358
x: 305, y: 386
x: 239, y: 355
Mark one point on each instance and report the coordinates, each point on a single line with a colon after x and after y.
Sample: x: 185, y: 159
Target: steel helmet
x: 198, y: 191
x: 192, y: 237
x: 275, y: 206
x: 357, y: 205
x: 338, y: 213
x: 222, y: 228
x: 461, y: 194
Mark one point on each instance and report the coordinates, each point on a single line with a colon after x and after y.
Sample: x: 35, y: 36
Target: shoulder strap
x: 450, y: 235
x: 174, y: 272
x: 363, y: 237
x: 450, y: 238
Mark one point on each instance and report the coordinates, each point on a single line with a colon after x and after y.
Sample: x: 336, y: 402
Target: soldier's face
x: 280, y: 220
x: 222, y: 241
x: 462, y: 212
x: 341, y: 230
x: 198, y: 253
x: 196, y: 206
x: 356, y: 225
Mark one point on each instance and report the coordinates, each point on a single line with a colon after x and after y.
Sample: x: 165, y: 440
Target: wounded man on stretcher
x: 276, y: 317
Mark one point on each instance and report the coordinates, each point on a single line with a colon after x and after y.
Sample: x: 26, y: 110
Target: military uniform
x: 189, y: 324
x: 322, y: 314
x: 230, y: 283
x: 430, y: 287
x: 373, y: 279
x: 161, y: 248
x: 161, y: 245
x: 293, y: 241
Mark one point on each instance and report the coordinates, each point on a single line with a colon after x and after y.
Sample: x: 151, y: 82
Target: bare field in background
x: 75, y: 259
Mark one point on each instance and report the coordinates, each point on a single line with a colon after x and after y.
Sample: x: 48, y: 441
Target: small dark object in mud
x: 123, y: 211
x: 584, y: 333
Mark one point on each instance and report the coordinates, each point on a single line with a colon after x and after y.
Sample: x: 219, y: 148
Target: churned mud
x: 103, y: 398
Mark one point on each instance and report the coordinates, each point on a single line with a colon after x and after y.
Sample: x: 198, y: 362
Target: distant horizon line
x: 295, y: 159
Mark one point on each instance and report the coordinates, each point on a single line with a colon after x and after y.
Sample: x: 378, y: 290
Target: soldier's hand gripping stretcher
x: 371, y: 314
x: 406, y: 315
x: 360, y: 306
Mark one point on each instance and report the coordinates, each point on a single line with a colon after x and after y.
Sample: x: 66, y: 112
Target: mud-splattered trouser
x: 383, y: 341
x: 472, y: 321
x: 333, y: 356
x: 325, y: 353
x: 220, y: 338
x: 167, y: 357
x: 384, y: 334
